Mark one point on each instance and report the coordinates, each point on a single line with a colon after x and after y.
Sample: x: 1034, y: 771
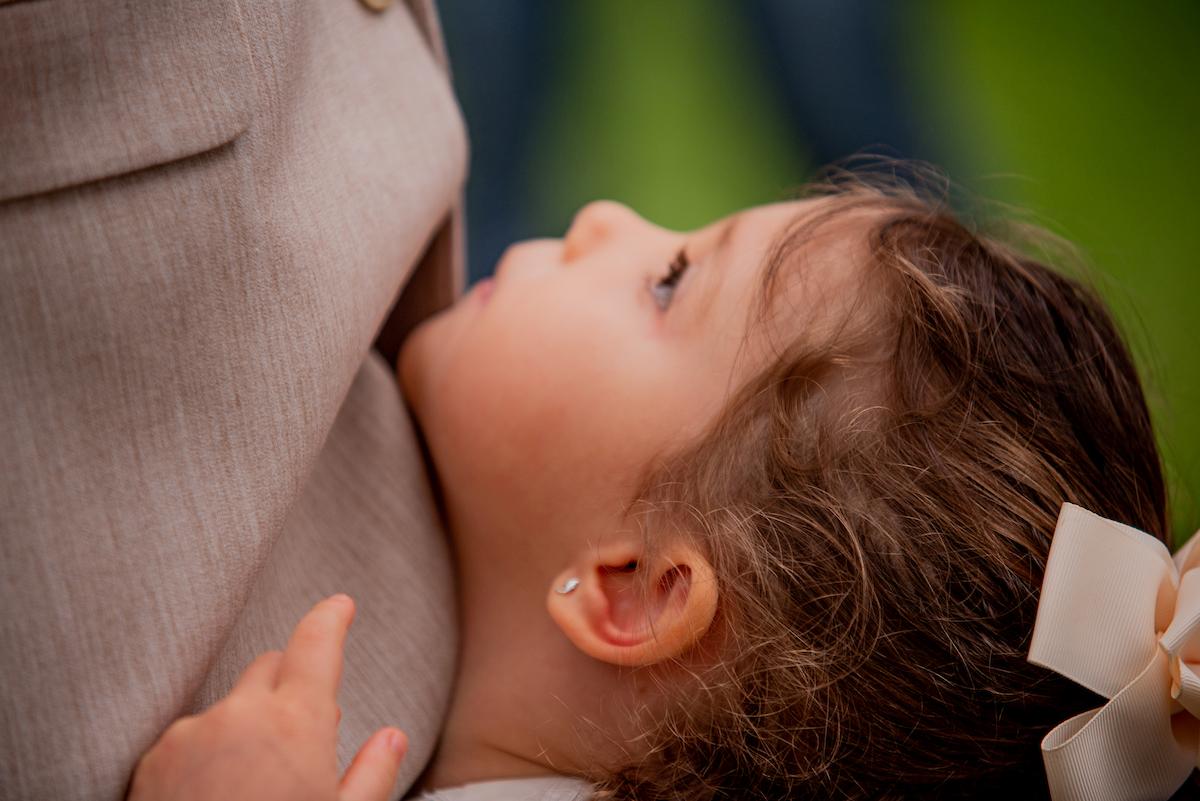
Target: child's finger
x: 312, y: 663
x: 261, y: 673
x: 372, y: 774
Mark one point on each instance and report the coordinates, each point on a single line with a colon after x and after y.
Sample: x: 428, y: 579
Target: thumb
x: 372, y: 774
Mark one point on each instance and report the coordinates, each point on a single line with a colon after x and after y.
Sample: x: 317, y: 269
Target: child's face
x: 545, y: 394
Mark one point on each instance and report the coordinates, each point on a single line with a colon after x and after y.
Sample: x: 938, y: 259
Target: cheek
x: 545, y: 406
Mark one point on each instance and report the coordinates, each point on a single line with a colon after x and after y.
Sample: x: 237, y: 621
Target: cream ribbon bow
x: 1121, y: 617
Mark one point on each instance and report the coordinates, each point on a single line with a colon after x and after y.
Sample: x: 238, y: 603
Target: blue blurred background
x: 1085, y: 113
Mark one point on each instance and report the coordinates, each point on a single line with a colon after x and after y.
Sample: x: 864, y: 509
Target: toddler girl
x: 756, y: 511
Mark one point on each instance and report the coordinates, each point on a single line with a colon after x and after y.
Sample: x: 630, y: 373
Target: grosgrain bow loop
x: 1119, y: 616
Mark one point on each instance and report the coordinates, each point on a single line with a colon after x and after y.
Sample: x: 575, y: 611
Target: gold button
x: 377, y: 5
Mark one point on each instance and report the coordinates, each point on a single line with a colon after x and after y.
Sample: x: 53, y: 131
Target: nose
x: 596, y: 223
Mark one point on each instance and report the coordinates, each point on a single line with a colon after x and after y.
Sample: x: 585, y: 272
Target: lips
x: 483, y: 288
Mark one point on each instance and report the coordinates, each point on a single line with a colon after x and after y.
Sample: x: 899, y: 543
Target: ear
x: 621, y: 606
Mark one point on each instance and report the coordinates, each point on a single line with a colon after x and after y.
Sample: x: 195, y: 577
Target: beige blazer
x: 208, y: 211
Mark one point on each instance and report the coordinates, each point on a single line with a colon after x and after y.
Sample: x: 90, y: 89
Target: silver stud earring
x: 568, y: 586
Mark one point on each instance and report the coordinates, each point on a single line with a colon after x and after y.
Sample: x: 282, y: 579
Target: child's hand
x: 275, y: 735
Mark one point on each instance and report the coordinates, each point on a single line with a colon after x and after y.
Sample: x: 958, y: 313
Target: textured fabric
x: 1119, y: 616
x: 207, y: 211
x: 70, y: 75
x: 545, y: 788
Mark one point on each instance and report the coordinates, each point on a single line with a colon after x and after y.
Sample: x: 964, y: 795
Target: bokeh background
x: 1086, y: 114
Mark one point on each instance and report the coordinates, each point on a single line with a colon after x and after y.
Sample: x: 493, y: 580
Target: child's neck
x: 526, y: 702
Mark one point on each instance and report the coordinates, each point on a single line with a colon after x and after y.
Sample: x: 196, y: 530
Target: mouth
x: 483, y: 289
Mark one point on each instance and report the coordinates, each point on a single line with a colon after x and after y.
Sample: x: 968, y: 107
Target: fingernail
x: 341, y: 598
x: 395, y: 742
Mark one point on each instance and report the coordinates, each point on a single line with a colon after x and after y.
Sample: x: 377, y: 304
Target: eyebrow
x: 727, y: 232
x: 717, y: 258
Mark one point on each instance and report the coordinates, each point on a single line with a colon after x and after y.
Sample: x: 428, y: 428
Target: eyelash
x: 664, y: 288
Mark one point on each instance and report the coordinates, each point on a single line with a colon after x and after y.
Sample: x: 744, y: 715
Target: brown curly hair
x: 880, y: 554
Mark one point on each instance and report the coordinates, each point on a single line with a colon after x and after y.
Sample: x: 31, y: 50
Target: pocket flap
x: 96, y: 88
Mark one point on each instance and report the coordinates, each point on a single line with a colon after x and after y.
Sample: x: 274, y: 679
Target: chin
x: 424, y: 364
x: 412, y: 364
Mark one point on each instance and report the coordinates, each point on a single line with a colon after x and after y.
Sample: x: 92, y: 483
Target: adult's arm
x: 207, y: 211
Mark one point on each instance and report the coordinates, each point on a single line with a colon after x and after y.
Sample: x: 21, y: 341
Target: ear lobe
x: 622, y: 607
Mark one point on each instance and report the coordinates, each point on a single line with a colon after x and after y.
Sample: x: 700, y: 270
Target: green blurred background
x: 1086, y: 114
